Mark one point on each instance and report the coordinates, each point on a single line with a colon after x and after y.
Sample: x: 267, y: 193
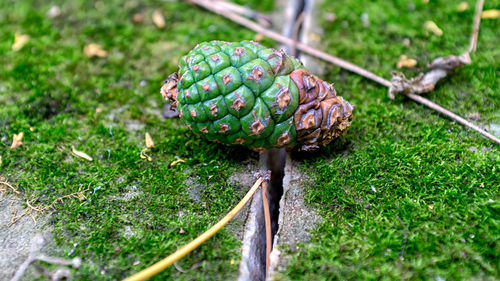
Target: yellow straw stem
x: 161, y: 265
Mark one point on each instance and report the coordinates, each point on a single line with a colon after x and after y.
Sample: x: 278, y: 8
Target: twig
x: 10, y: 186
x: 440, y: 67
x: 43, y: 208
x: 186, y: 249
x: 288, y: 41
x: 296, y: 29
x: 267, y: 219
x: 475, y: 26
x: 37, y: 243
x: 339, y: 62
x: 244, y: 11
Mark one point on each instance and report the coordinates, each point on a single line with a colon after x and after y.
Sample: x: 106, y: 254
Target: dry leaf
x: 138, y: 18
x: 315, y: 37
x: 19, y: 41
x: 149, y: 141
x: 462, y: 7
x: 176, y: 162
x: 143, y: 155
x: 94, y: 50
x: 258, y: 37
x: 81, y: 154
x: 17, y: 140
x: 404, y: 61
x: 158, y: 19
x: 432, y: 26
x: 490, y: 14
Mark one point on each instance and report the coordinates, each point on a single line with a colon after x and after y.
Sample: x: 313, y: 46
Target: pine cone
x: 243, y: 93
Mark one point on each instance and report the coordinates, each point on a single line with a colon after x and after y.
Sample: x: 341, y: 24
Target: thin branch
x: 296, y: 29
x: 10, y: 186
x: 263, y: 19
x: 267, y: 219
x: 288, y: 41
x: 186, y: 249
x: 452, y: 115
x: 475, y: 26
x: 347, y: 65
x: 35, y: 254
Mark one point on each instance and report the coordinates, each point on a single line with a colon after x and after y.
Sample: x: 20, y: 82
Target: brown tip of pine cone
x: 169, y: 89
x: 321, y: 115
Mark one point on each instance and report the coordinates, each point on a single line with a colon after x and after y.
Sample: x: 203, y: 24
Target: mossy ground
x: 135, y: 209
x: 406, y: 194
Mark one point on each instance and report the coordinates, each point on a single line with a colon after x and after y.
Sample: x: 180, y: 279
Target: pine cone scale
x: 244, y: 93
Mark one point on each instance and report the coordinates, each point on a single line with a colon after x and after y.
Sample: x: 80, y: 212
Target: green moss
x: 407, y: 193
x: 135, y: 209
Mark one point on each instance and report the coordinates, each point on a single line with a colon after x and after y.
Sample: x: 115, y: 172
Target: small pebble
x: 53, y: 12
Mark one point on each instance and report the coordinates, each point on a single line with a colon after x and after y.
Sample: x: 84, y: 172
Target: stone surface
x: 15, y: 240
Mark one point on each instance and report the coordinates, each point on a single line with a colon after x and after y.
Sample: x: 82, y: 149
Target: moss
x: 406, y: 194
x: 135, y: 209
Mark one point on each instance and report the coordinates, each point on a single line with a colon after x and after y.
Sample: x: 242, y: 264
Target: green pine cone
x: 243, y: 93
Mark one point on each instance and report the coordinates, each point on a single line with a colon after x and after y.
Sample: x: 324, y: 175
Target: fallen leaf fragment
x: 149, y: 141
x: 432, y: 27
x: 138, y: 18
x: 158, y: 19
x: 258, y: 37
x: 462, y: 7
x: 19, y: 41
x: 81, y: 154
x: 176, y: 162
x: 490, y: 14
x: 404, y: 61
x: 94, y: 50
x: 143, y: 155
x: 17, y: 140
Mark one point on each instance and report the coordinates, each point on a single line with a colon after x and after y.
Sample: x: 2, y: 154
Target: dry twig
x: 186, y: 249
x: 296, y: 30
x: 267, y: 219
x: 440, y: 67
x: 345, y: 64
x: 34, y: 210
x: 4, y: 183
x: 60, y: 273
x: 262, y: 19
